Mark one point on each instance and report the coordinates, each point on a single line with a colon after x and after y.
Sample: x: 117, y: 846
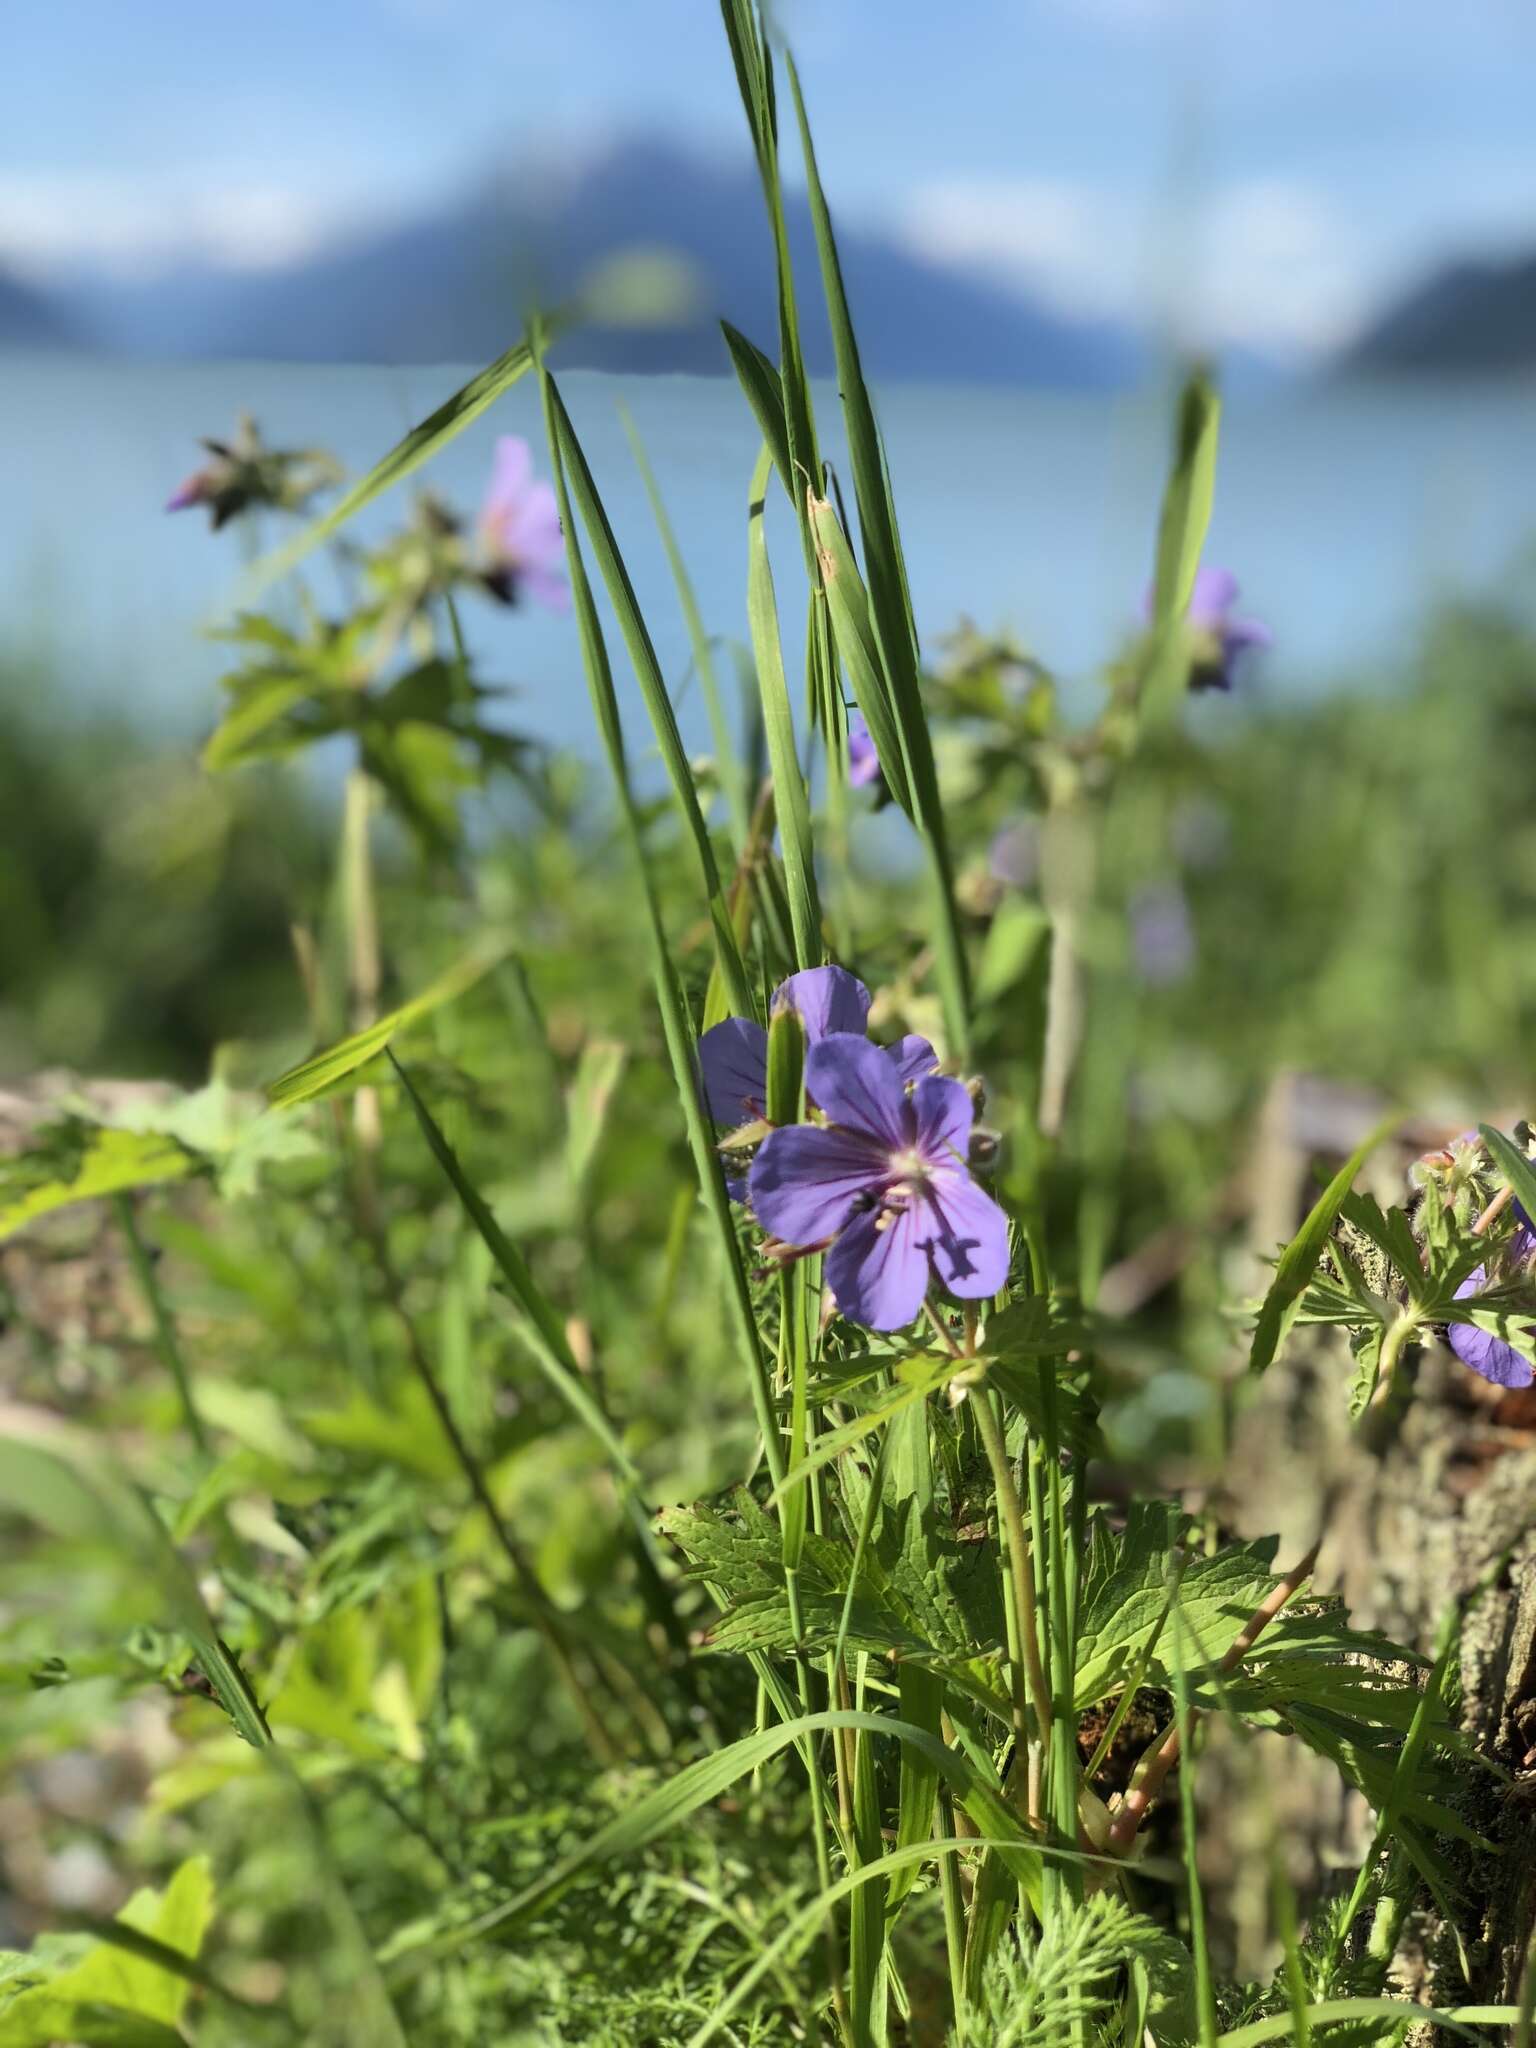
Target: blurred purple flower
x: 244, y: 473
x: 886, y: 1180
x: 733, y: 1056
x: 1015, y: 856
x: 1487, y: 1354
x: 863, y: 761
x: 1162, y: 937
x: 520, y: 530
x: 1220, y: 640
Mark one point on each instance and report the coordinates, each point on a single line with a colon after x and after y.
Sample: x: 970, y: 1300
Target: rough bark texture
x: 1412, y: 1523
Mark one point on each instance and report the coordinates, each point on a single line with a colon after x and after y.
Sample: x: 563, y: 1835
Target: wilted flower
x: 1219, y: 639
x: 886, y: 1181
x: 244, y: 473
x: 863, y: 761
x: 733, y: 1056
x: 519, y: 529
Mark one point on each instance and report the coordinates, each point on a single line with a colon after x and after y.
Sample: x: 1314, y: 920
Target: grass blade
x: 325, y: 1071
x: 732, y: 775
x: 760, y: 383
x: 551, y: 1346
x: 883, y: 561
x: 1458, y: 2019
x: 706, y: 1780
x: 1181, y: 532
x: 1298, y: 1262
x: 653, y: 688
x: 418, y: 446
x: 677, y: 1025
x: 790, y: 796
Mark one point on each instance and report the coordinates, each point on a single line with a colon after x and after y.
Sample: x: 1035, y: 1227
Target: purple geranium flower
x: 863, y: 761
x: 1220, y: 639
x: 520, y: 530
x: 733, y: 1056
x: 886, y: 1180
x: 1481, y: 1349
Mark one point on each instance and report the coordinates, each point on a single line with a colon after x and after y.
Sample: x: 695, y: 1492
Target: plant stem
x: 1020, y: 1568
x: 166, y: 1341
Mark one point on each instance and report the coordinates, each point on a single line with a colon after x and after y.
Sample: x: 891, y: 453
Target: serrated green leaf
x: 102, y: 1161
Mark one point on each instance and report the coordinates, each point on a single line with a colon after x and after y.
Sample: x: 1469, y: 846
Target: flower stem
x: 1029, y: 1684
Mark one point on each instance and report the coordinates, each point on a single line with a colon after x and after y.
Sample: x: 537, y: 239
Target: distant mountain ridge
x: 1467, y: 318
x: 31, y: 319
x: 451, y: 287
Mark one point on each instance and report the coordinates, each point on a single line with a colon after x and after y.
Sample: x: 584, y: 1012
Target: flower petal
x: 511, y: 472
x: 805, y: 1179
x: 863, y: 759
x: 827, y: 999
x: 912, y: 1057
x: 1241, y: 633
x: 1487, y: 1354
x: 877, y: 1271
x: 1490, y: 1356
x: 733, y: 1058
x: 1213, y: 596
x: 854, y: 1084
x: 944, y: 1116
x: 965, y: 1233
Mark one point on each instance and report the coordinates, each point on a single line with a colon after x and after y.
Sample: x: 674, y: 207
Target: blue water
x: 1345, y: 511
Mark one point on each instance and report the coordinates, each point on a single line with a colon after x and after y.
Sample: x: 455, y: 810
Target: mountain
x: 30, y: 319
x: 449, y: 287
x: 1470, y: 317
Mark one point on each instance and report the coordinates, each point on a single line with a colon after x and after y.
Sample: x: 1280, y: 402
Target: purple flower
x: 1487, y: 1354
x: 1162, y: 937
x: 863, y: 761
x: 520, y: 530
x: 886, y: 1179
x: 1220, y: 640
x: 243, y: 472
x: 733, y: 1056
x: 197, y: 489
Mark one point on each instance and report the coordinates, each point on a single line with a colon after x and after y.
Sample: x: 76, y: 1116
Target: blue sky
x: 1252, y: 171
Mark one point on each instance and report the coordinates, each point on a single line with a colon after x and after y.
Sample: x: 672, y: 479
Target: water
x: 1345, y: 511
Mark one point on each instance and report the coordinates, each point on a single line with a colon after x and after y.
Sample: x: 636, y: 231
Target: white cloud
x: 52, y: 220
x: 1263, y: 263
x: 1276, y: 270
x: 1062, y: 242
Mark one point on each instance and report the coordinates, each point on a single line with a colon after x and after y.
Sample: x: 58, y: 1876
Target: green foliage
x: 348, y: 1533
x: 113, y: 1992
x: 1061, y: 1986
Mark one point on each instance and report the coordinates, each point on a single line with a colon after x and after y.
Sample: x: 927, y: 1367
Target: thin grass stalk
x: 1205, y: 1990
x: 729, y: 767
x: 790, y: 797
x: 167, y: 1343
x: 676, y: 1023
x: 576, y: 477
